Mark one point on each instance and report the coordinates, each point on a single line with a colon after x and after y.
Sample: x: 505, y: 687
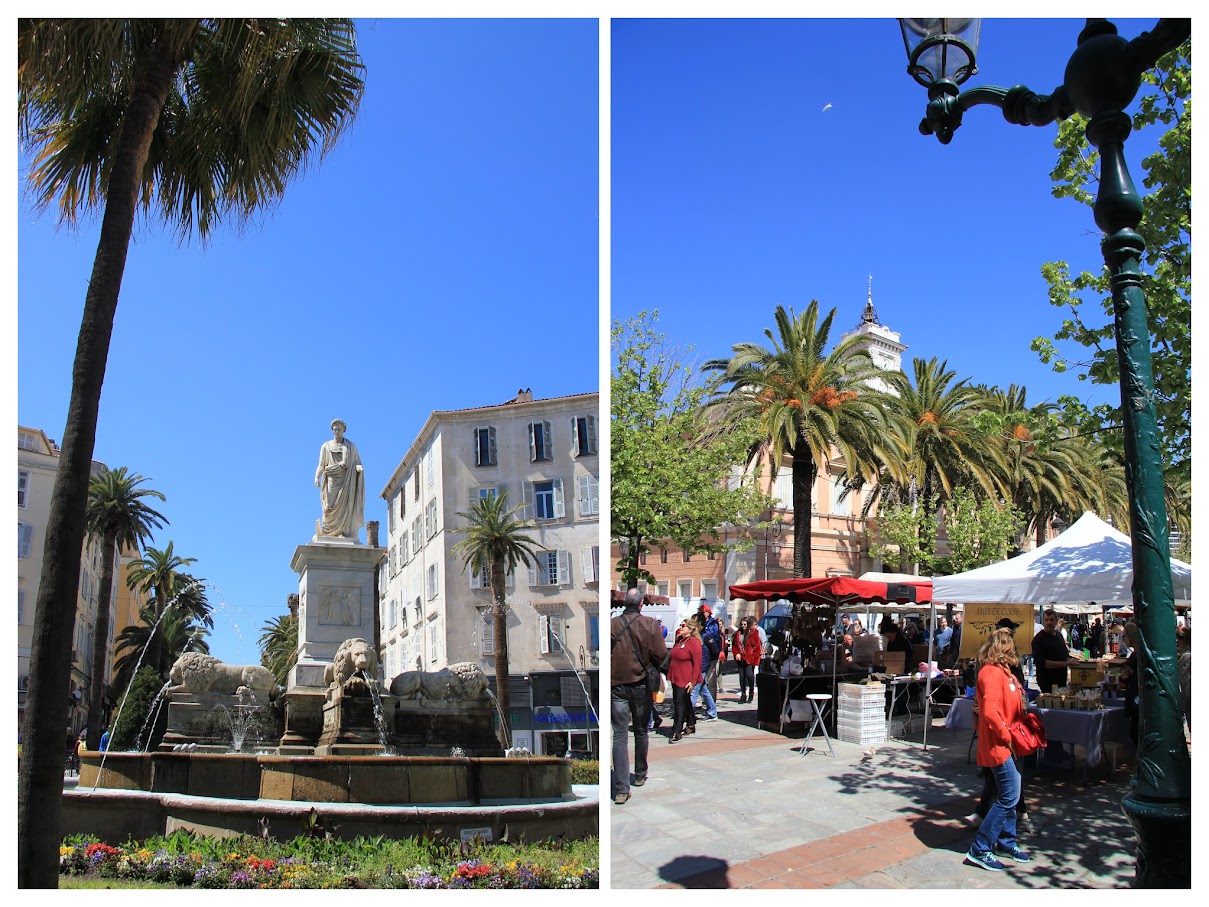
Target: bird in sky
x: 828, y: 107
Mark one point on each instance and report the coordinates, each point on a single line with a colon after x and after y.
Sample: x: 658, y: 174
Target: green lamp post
x: 1102, y: 78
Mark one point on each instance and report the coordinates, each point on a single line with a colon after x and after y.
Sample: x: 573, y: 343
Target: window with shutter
x: 394, y: 613
x: 593, y: 633
x: 22, y: 487
x: 484, y: 446
x: 564, y: 568
x: 25, y: 539
x: 487, y: 632
x: 404, y: 549
x: 584, y: 429
x: 587, y: 494
x: 415, y: 483
x: 417, y: 535
x: 390, y: 520
x: 430, y: 518
x: 591, y: 558
x: 433, y: 581
x: 390, y: 560
x: 547, y: 568
x: 20, y: 606
x: 539, y: 442
x: 26, y: 440
x: 434, y: 640
x: 429, y: 466
x: 543, y: 634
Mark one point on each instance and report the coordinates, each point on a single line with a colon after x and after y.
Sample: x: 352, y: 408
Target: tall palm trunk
x: 499, y: 629
x: 40, y: 776
x: 804, y: 471
x: 100, y: 641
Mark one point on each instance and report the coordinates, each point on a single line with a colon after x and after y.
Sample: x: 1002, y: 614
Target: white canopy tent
x: 1089, y: 562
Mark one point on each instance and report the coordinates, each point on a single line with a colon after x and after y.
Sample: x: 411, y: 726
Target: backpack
x: 712, y: 639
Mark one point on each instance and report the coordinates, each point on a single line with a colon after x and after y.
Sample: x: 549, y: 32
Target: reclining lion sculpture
x: 462, y: 681
x: 194, y: 672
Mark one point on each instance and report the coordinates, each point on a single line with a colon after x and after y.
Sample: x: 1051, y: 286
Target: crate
x: 866, y: 704
x: 863, y: 737
x: 871, y: 692
x: 861, y: 723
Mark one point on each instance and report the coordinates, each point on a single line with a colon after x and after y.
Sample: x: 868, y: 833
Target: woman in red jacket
x: 1000, y: 702
x: 683, y: 674
x: 747, y: 651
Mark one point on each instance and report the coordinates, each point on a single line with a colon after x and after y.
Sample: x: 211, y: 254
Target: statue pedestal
x: 434, y: 727
x: 350, y: 727
x: 208, y: 721
x: 335, y: 603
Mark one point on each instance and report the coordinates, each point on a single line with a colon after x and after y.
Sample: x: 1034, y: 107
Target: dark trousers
x: 747, y: 681
x: 630, y: 707
x: 682, y: 709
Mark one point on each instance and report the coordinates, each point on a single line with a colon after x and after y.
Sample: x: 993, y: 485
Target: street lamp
x: 1102, y: 78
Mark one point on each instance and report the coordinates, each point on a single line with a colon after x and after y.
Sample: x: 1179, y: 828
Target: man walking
x: 637, y: 647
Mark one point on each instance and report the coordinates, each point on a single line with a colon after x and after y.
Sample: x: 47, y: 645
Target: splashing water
x: 243, y: 719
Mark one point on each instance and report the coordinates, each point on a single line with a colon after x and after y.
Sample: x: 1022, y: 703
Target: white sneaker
x: 973, y: 820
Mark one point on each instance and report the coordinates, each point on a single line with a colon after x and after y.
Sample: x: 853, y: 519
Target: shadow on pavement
x: 696, y: 872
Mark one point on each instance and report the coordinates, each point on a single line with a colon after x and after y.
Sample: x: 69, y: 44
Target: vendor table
x: 774, y: 691
x: 1088, y: 729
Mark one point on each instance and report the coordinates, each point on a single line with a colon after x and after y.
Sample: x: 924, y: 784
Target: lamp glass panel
x: 943, y: 59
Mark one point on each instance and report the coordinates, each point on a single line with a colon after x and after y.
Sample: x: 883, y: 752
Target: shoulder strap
x: 630, y: 633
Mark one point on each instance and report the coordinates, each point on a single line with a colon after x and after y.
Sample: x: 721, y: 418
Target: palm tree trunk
x: 804, y: 470
x: 100, y: 642
x: 499, y: 620
x: 40, y: 776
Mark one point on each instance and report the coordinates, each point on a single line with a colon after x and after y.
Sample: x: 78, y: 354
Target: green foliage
x: 279, y: 646
x: 134, y: 711
x: 585, y: 771
x: 978, y: 530
x: 1166, y: 227
x: 675, y: 469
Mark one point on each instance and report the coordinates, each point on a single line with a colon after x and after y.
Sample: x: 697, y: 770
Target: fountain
x: 420, y: 759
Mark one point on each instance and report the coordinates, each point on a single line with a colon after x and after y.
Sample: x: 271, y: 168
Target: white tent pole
x: 928, y: 682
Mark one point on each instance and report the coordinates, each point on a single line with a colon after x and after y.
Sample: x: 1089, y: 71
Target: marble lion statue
x: 353, y: 667
x: 462, y: 681
x: 194, y: 672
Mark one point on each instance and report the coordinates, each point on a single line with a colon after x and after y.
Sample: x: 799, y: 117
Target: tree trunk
x: 632, y: 564
x: 804, y: 471
x: 499, y: 629
x: 40, y: 776
x: 100, y: 642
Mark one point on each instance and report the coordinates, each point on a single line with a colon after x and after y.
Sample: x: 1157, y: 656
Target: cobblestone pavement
x: 734, y: 806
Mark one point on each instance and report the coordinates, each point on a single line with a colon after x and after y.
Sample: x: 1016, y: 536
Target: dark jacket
x: 632, y: 652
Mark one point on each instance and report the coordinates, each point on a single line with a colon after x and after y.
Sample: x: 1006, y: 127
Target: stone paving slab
x: 734, y: 806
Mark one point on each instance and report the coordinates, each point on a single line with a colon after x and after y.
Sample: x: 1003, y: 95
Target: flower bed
x: 198, y: 862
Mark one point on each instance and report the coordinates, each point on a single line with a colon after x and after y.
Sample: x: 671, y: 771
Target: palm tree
x: 807, y: 401
x: 192, y: 120
x: 279, y: 646
x: 117, y: 516
x: 496, y: 541
x: 177, y: 632
x: 158, y: 575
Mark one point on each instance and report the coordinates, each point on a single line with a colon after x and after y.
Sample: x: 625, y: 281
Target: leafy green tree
x: 497, y: 542
x: 135, y: 709
x: 279, y: 646
x: 1086, y: 298
x: 979, y: 531
x: 118, y: 517
x: 806, y: 401
x: 676, y: 468
x: 191, y: 121
x: 898, y: 533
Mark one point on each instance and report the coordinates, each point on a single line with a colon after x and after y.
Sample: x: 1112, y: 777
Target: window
x: 390, y: 559
x: 709, y: 589
x: 390, y: 520
x: 642, y: 558
x: 553, y: 568
x: 415, y: 483
x: 417, y: 535
x: 20, y: 606
x: 485, y: 493
x: 539, y: 442
x: 403, y: 501
x: 22, y: 487
x: 783, y: 490
x: 551, y: 634
x: 663, y: 555
x: 428, y: 467
x: 593, y: 633
x: 711, y: 556
x: 661, y: 588
x: 487, y: 631
x: 591, y: 558
x: 433, y: 581
x: 481, y: 579
x: 404, y: 552
x: 547, y: 499
x: 685, y: 556
x: 841, y: 505
x: 484, y: 446
x: 587, y: 495
x: 685, y: 589
x: 419, y: 609
x: 394, y: 614
x: 26, y: 440
x: 430, y: 518
x: 25, y: 539
x: 583, y: 430
x: 434, y: 640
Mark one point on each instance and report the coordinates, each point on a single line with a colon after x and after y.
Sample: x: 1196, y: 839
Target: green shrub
x: 145, y: 686
x: 585, y: 771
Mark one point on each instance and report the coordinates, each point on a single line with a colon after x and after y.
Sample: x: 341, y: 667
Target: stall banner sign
x: 980, y: 620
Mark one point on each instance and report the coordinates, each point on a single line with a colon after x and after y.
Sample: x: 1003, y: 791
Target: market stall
x: 817, y: 602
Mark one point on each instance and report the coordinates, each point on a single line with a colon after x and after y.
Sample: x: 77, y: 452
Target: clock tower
x: 882, y: 344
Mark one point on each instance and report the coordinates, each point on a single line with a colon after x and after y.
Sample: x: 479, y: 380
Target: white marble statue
x: 340, y: 479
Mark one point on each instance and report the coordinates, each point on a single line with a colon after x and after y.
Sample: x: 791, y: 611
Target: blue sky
x: 442, y: 256
x: 735, y: 191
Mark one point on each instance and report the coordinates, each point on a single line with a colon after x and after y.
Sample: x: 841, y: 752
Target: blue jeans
x: 701, y: 691
x: 999, y: 826
x: 629, y: 703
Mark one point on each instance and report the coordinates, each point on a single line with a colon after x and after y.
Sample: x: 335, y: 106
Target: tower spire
x: 869, y: 316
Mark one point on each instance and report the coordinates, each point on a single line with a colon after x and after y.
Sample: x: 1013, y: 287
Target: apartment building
x: 434, y: 611
x: 37, y: 464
